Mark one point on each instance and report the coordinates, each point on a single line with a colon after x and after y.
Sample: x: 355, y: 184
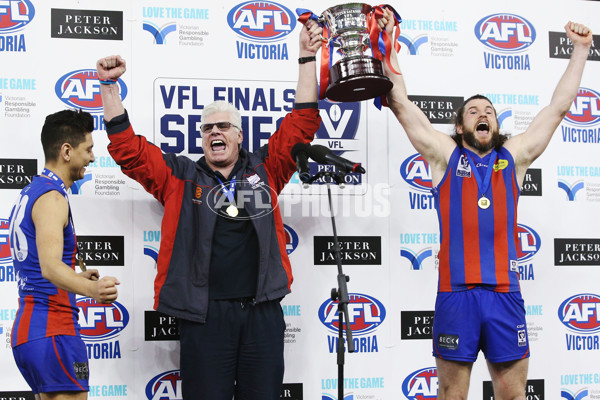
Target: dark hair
x: 67, y: 126
x: 458, y: 121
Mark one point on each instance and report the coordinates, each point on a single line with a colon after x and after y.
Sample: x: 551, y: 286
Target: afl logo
x: 505, y: 32
x: 262, y: 21
x: 585, y: 109
x: 81, y: 89
x: 581, y: 313
x: 291, y: 239
x: 5, y: 241
x: 15, y: 14
x: 416, y: 172
x: 365, y: 314
x: 421, y: 384
x: 528, y: 243
x: 165, y: 386
x: 100, y: 322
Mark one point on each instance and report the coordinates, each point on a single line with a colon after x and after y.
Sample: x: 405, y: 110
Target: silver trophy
x: 356, y: 76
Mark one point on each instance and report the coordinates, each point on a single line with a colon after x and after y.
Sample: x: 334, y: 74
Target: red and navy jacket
x: 183, y: 187
x: 44, y: 309
x: 478, y: 246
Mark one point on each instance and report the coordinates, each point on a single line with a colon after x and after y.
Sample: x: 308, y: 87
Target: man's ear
x: 65, y: 151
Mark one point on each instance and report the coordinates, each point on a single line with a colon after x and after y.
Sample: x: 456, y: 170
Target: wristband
x: 304, y: 60
x: 108, y: 82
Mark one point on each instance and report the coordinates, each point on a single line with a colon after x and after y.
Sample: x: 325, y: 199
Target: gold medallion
x: 232, y: 211
x: 483, y: 202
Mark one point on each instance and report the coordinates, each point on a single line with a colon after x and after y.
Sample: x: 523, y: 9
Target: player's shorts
x: 480, y: 319
x: 54, y: 364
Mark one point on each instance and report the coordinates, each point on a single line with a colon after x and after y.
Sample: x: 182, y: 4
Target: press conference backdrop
x: 183, y: 54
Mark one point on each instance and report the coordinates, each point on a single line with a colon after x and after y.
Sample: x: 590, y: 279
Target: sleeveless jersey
x: 44, y: 310
x: 478, y: 246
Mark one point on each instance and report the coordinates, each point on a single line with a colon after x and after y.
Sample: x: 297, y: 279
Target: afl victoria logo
x: 528, y: 243
x: 421, y: 384
x: 415, y: 171
x: 165, y: 386
x: 585, y: 109
x: 581, y: 313
x: 15, y: 14
x: 505, y: 32
x: 261, y: 21
x: 100, y: 322
x: 81, y: 89
x: 365, y: 314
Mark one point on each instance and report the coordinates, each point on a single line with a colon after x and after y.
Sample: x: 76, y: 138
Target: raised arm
x: 435, y: 146
x: 310, y: 43
x: 302, y: 123
x: 529, y: 145
x: 50, y: 215
x: 110, y: 69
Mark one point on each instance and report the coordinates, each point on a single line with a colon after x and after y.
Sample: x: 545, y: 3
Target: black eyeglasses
x: 222, y: 126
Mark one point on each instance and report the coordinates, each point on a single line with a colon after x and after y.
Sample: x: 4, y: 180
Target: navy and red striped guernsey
x: 478, y: 246
x: 44, y: 310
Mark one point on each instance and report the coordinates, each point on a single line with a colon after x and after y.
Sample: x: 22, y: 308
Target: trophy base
x: 357, y: 79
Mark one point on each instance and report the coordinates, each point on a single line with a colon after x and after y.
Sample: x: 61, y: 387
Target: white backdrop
x: 183, y: 54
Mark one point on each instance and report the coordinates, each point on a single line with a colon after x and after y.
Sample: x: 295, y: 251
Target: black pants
x: 238, y: 350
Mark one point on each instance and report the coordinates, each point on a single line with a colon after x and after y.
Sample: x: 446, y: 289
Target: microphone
x: 299, y: 153
x: 323, y: 155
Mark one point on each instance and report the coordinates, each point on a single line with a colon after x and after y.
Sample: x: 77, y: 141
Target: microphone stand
x: 341, y: 293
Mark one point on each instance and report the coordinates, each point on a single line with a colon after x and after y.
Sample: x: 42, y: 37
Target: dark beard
x: 469, y: 138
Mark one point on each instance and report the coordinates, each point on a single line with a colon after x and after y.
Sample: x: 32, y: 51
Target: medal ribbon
x: 484, y: 184
x: 229, y: 192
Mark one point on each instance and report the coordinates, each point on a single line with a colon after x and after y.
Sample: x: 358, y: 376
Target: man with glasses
x: 222, y: 266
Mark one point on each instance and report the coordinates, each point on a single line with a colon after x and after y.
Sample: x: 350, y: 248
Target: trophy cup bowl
x: 356, y: 76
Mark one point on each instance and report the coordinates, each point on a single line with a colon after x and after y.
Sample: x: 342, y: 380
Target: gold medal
x: 483, y: 202
x: 232, y: 211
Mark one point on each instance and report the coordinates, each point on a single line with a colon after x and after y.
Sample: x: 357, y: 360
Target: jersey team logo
x: 101, y: 322
x: 5, y: 254
x: 528, y: 243
x: 421, y: 384
x: 15, y: 14
x: 365, y: 314
x: 585, y: 110
x: 165, y: 386
x: 581, y: 313
x: 416, y: 172
x: 507, y: 33
x: 262, y: 21
x: 81, y: 89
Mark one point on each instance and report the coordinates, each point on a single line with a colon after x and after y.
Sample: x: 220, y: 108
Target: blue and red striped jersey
x: 478, y: 245
x: 44, y: 310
